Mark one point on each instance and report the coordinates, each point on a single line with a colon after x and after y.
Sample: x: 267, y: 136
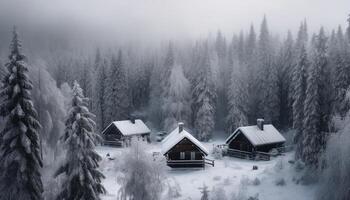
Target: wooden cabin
x: 260, y: 138
x: 181, y: 149
x: 119, y: 133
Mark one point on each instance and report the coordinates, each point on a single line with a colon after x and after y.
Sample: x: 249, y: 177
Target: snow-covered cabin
x: 258, y: 138
x: 181, y: 149
x: 119, y: 133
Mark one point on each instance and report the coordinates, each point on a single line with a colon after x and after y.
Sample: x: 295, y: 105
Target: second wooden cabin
x: 259, y: 139
x: 181, y: 149
x: 119, y: 133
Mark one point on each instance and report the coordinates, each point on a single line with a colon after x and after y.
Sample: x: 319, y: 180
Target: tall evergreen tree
x: 176, y: 106
x: 20, y: 149
x: 168, y: 65
x: 117, y: 93
x: 316, y: 111
x: 299, y: 77
x: 204, y: 99
x: 100, y: 96
x: 83, y: 179
x: 339, y: 58
x: 267, y: 76
x: 285, y: 65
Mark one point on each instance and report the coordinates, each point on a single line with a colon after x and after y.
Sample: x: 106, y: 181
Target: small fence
x: 113, y: 143
x: 190, y: 163
x: 209, y: 162
x: 248, y: 155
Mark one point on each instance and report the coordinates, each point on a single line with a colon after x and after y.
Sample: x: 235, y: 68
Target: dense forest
x: 298, y: 82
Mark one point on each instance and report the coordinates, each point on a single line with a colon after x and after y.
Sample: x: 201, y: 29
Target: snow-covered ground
x: 233, y: 175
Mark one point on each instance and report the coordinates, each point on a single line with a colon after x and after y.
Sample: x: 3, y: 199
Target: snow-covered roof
x: 175, y: 137
x: 127, y: 128
x: 258, y: 137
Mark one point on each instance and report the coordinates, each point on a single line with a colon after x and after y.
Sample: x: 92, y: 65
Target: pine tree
x: 284, y: 75
x: 299, y: 78
x: 267, y: 78
x: 165, y: 74
x: 316, y: 111
x: 86, y: 77
x: 176, y: 106
x: 204, y: 99
x: 100, y: 96
x: 83, y: 179
x: 237, y: 96
x: 20, y: 150
x: 117, y: 96
x: 341, y: 79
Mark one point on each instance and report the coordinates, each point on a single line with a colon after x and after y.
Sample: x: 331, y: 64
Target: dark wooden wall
x: 241, y: 143
x: 186, y: 146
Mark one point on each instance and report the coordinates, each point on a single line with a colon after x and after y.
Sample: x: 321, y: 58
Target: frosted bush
x: 141, y: 177
x: 280, y: 182
x: 174, y: 190
x: 255, y: 197
x: 217, y: 153
x: 279, y: 165
x: 217, y: 178
x: 218, y: 193
x: 256, y: 181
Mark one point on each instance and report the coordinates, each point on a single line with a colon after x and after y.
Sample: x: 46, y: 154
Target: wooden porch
x: 190, y: 163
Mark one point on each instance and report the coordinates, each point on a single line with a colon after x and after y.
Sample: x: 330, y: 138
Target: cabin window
x: 182, y: 155
x: 193, y: 155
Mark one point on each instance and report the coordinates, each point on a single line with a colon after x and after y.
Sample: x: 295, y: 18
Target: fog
x: 171, y: 19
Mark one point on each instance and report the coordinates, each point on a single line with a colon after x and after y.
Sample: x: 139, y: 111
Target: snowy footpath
x: 273, y: 180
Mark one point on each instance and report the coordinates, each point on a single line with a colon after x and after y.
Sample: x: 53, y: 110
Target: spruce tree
x: 299, y: 77
x: 204, y: 99
x: 20, y: 159
x: 117, y: 95
x: 100, y: 103
x: 176, y: 106
x: 341, y: 72
x: 316, y: 111
x: 267, y: 76
x: 83, y: 179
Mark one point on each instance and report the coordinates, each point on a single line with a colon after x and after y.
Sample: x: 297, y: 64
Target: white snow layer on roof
x: 126, y: 127
x: 259, y: 137
x: 175, y: 137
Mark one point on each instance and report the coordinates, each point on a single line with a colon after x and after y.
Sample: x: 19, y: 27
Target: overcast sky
x: 177, y: 18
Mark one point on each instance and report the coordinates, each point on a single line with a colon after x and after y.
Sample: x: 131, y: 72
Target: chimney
x: 181, y: 127
x: 132, y: 119
x: 260, y: 124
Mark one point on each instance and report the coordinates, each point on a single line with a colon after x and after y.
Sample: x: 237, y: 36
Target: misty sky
x: 163, y: 19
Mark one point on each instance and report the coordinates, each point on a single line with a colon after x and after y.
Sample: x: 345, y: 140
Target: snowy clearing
x: 232, y: 174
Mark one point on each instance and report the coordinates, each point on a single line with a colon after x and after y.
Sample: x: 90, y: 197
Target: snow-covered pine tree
x: 83, y: 179
x: 204, y: 99
x: 237, y: 96
x: 100, y: 103
x: 237, y: 89
x: 176, y: 106
x: 339, y: 58
x: 348, y: 29
x: 117, y: 93
x: 165, y: 74
x: 86, y: 80
x: 299, y: 77
x: 285, y: 65
x: 267, y: 76
x: 20, y: 159
x: 316, y: 111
